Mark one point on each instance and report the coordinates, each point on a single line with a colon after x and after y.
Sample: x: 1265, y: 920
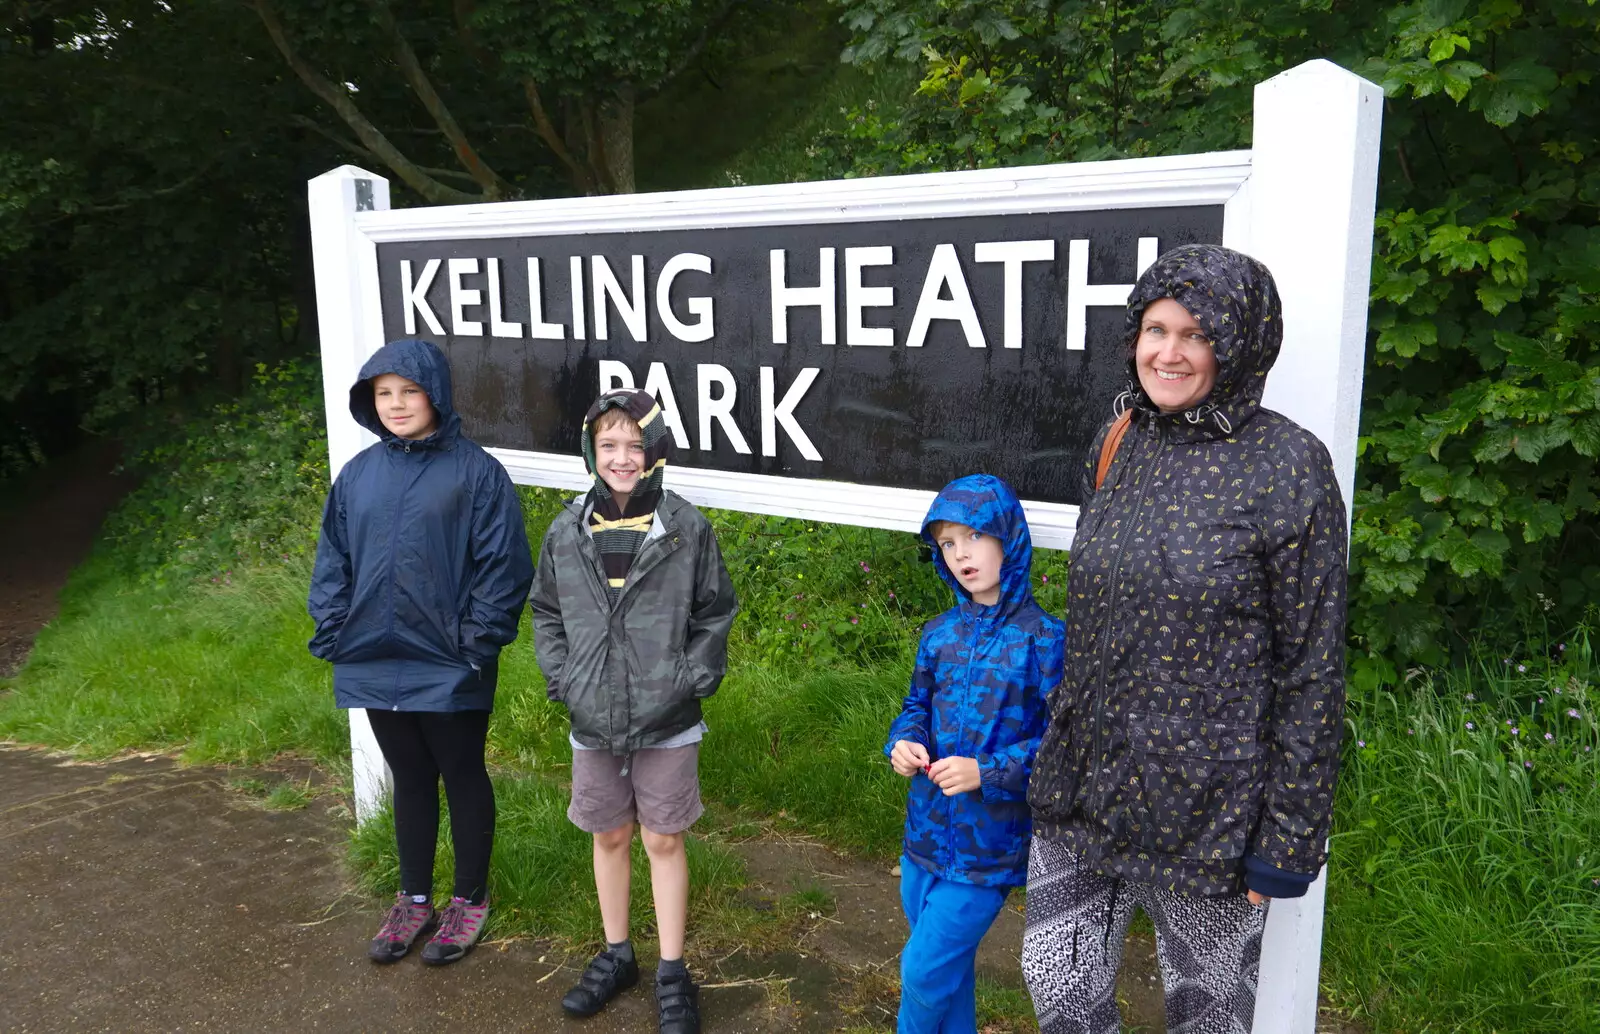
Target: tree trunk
x: 616, y: 135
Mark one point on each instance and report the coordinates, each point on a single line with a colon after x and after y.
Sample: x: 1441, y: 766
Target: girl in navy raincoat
x: 422, y: 571
x: 966, y: 737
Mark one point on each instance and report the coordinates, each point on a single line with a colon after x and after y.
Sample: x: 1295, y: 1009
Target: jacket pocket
x: 1211, y: 555
x: 691, y: 679
x: 1198, y: 785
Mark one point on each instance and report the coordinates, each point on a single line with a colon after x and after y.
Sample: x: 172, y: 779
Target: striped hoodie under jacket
x: 979, y: 690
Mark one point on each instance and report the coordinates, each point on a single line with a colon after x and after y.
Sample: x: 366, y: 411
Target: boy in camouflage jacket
x: 966, y: 737
x: 631, y: 612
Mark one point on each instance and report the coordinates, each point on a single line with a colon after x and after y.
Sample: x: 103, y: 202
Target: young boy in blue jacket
x: 966, y: 737
x: 422, y: 571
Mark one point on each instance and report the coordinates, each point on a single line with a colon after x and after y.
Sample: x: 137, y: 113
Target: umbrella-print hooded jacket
x: 978, y: 691
x: 1194, y: 742
x: 423, y: 565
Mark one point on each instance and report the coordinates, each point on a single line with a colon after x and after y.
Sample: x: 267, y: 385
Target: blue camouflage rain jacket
x: 979, y: 691
x: 423, y: 565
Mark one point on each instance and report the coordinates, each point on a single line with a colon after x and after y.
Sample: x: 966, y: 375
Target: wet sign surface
x: 900, y: 353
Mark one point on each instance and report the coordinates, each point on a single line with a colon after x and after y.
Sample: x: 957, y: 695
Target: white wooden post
x: 350, y: 323
x: 1306, y: 212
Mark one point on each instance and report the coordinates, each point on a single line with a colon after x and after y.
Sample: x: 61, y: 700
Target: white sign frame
x: 1301, y: 200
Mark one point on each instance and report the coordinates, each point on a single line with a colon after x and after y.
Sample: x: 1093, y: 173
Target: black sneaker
x: 606, y: 977
x: 678, y: 999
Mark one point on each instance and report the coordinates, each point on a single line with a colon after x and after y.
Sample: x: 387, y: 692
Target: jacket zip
x: 394, y: 542
x: 641, y: 566
x: 961, y: 738
x: 1112, y: 588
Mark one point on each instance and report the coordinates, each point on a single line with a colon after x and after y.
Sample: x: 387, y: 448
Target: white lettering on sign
x: 575, y: 265
x: 461, y: 297
x: 658, y: 384
x: 1011, y: 255
x: 537, y: 327
x: 414, y: 295
x: 614, y: 375
x: 775, y: 412
x: 1081, y: 293
x: 630, y: 308
x: 785, y: 297
x: 944, y: 274
x: 782, y: 415
x: 720, y: 408
x: 946, y: 295
x: 497, y: 326
x: 858, y: 297
x: 700, y: 307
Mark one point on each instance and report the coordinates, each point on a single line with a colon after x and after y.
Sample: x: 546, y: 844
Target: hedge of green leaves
x: 1476, y: 505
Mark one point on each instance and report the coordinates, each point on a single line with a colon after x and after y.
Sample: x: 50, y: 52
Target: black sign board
x: 900, y: 353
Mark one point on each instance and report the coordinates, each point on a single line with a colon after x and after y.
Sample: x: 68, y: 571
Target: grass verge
x: 1463, y: 880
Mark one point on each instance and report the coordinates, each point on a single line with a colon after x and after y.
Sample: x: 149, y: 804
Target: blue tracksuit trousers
x: 937, y: 982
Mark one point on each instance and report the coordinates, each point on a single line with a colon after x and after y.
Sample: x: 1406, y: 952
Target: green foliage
x: 242, y: 485
x: 132, y: 665
x: 1476, y: 497
x: 822, y: 594
x: 150, y: 197
x: 1464, y: 878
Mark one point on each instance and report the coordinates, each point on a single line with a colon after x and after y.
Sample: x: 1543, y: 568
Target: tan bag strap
x: 1108, y: 448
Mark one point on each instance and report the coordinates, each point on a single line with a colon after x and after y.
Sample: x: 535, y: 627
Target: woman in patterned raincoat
x: 1189, y: 764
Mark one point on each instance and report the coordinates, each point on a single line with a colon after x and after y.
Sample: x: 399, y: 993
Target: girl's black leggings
x: 420, y: 747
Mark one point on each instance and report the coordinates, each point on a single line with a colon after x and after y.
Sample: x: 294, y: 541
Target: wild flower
x: 1471, y: 726
x: 1549, y: 735
x: 1572, y: 712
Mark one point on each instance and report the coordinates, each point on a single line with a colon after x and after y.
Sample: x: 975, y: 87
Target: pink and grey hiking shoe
x: 404, y: 923
x: 459, y: 927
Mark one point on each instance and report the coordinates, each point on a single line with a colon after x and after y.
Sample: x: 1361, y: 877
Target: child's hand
x: 908, y: 758
x: 956, y: 775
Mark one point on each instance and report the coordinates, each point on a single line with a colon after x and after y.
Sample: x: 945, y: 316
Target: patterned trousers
x: 1209, y: 949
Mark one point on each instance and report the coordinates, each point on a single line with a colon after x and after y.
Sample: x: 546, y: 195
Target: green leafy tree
x: 1477, y: 498
x: 151, y: 212
x: 493, y: 76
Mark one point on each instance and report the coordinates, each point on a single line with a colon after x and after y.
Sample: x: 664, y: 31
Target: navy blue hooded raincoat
x: 423, y: 566
x: 978, y: 691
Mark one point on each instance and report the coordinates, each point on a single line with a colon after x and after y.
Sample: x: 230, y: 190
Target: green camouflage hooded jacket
x: 633, y: 675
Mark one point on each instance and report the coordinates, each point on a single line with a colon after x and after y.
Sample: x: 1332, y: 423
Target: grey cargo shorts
x: 661, y: 790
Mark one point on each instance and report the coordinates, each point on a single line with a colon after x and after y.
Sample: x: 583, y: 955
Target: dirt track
x: 44, y: 535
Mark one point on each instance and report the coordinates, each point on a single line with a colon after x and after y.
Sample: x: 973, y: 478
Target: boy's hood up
x: 987, y: 504
x: 415, y: 360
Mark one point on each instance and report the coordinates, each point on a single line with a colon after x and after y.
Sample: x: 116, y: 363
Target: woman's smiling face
x: 1176, y: 364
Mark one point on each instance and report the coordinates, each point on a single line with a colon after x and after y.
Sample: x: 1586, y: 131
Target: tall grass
x: 1465, y: 878
x: 217, y: 672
